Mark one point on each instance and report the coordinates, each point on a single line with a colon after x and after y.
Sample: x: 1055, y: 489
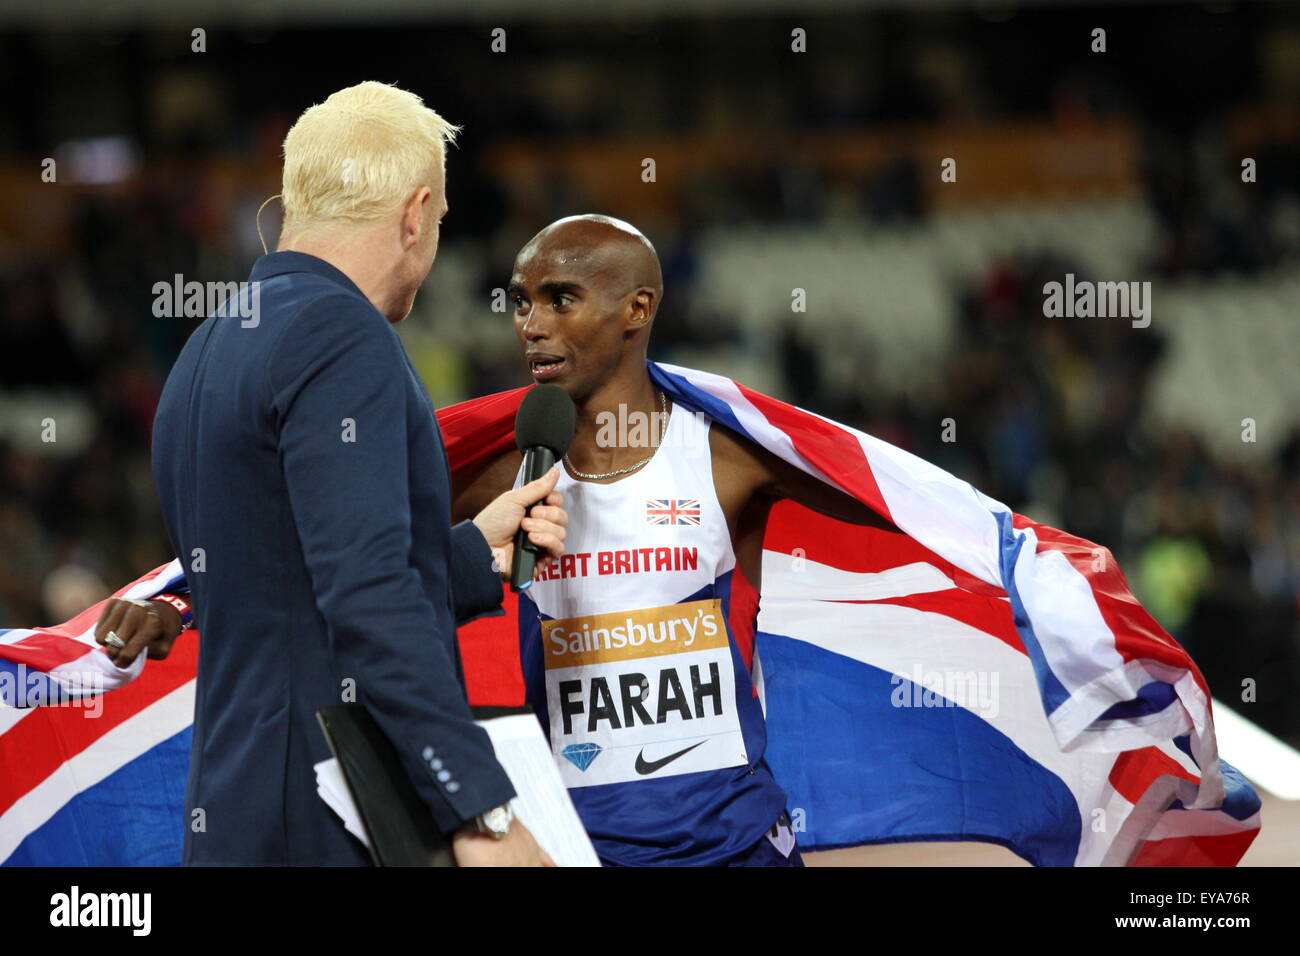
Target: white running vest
x: 639, y: 672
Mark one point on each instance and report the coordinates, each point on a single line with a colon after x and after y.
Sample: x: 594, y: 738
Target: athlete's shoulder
x: 730, y: 448
x: 500, y: 472
x: 474, y: 491
x: 740, y: 467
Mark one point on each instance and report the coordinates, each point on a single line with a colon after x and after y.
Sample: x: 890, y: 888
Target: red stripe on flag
x: 741, y: 613
x: 863, y: 550
x: 827, y: 447
x: 1137, y: 635
x: 33, y: 748
x: 1224, y: 849
x: 44, y: 651
x: 480, y: 430
x: 1135, y: 770
x: 989, y: 615
x: 1133, y: 773
x: 475, y: 433
x: 489, y: 652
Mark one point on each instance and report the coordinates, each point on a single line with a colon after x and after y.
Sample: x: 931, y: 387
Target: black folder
x: 401, y: 828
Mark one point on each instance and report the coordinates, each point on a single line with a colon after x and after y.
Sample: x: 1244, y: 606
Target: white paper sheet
x: 541, y: 800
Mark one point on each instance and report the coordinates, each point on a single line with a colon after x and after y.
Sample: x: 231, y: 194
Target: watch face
x: 497, y: 820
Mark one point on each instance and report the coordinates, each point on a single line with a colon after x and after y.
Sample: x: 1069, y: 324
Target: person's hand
x: 516, y: 848
x: 140, y: 625
x: 545, y: 523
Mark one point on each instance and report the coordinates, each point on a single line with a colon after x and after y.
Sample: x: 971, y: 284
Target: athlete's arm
x: 750, y: 472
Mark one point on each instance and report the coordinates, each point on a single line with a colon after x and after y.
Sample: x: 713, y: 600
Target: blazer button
x: 427, y: 753
x: 453, y: 787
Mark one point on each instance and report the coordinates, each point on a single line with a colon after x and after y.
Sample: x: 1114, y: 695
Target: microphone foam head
x: 546, y: 417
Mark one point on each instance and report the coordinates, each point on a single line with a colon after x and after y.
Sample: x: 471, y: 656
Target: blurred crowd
x: 1049, y: 410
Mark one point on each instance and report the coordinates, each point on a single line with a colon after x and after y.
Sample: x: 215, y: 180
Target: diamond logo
x: 581, y: 755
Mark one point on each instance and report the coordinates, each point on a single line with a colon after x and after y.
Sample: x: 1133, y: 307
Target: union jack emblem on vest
x: 672, y: 511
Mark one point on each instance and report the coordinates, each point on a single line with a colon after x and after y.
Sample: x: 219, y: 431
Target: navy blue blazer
x: 304, y: 483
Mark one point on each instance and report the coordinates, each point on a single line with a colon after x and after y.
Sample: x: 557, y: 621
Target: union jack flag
x: 672, y: 511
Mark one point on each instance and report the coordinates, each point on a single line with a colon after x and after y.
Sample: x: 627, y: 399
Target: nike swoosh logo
x: 644, y: 766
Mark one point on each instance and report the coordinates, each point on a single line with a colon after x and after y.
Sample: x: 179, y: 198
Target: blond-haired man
x: 302, y: 476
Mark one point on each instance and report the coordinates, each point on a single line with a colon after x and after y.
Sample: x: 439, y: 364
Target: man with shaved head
x: 637, y: 646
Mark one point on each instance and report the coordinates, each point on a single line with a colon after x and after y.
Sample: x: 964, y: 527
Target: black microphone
x: 543, y: 430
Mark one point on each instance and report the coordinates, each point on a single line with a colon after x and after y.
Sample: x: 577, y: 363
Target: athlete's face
x: 569, y: 315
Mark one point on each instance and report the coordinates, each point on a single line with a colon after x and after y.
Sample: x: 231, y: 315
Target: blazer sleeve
x: 475, y: 587
x: 339, y: 366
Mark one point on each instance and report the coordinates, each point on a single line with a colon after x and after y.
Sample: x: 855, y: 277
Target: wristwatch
x: 495, y: 822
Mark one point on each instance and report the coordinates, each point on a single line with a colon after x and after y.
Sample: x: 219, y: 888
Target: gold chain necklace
x: 663, y: 410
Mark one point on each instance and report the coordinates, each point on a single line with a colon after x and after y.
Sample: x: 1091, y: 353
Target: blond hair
x: 359, y: 155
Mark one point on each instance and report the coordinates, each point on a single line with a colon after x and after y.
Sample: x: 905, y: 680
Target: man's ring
x: 112, y: 640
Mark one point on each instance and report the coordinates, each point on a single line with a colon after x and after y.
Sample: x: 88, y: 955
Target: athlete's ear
x: 642, y: 308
